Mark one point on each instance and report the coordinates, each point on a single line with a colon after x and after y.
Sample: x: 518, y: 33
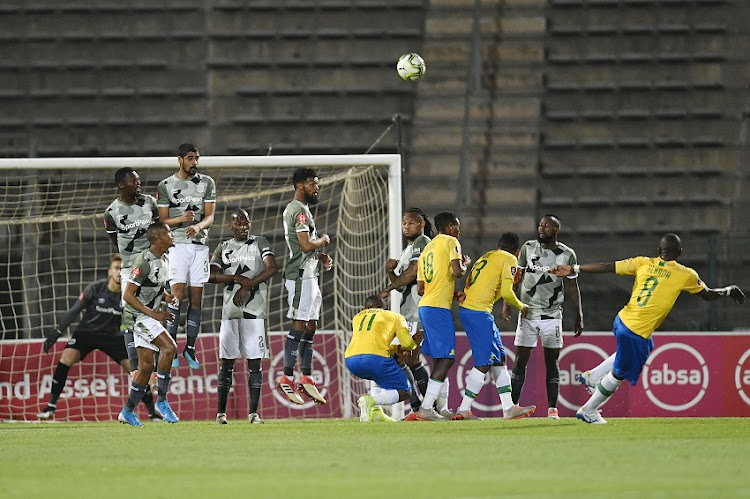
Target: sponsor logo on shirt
x: 302, y: 219
x: 189, y: 199
x: 108, y: 310
x: 135, y: 224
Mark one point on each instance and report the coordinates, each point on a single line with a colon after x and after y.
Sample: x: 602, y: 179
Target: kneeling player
x: 147, y: 279
x: 244, y: 263
x: 368, y: 356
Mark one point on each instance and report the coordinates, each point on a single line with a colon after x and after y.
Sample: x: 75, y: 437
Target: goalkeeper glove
x: 51, y: 340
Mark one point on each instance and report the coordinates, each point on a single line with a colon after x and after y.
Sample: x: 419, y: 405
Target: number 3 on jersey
x: 427, y: 269
x: 476, y: 270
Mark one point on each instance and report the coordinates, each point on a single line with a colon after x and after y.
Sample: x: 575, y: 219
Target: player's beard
x: 311, y: 198
x: 545, y: 239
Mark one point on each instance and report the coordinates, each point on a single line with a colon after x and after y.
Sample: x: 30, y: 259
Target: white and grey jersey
x: 410, y: 301
x: 543, y: 292
x: 130, y: 222
x: 150, y: 273
x: 243, y: 258
x: 187, y: 194
x: 297, y: 217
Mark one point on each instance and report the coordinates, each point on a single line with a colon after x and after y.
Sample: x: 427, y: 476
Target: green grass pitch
x: 535, y: 457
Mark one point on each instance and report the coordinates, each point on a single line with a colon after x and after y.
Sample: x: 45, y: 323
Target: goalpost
x: 53, y: 243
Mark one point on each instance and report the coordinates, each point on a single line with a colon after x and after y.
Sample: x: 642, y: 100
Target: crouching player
x: 143, y: 296
x: 368, y: 356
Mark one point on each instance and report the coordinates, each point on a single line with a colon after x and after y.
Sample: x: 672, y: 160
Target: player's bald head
x: 240, y: 214
x: 374, y: 301
x: 670, y: 247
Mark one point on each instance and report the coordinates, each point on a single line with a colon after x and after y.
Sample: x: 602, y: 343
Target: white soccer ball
x: 411, y: 66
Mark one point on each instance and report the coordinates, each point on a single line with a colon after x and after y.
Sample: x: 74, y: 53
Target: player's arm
x: 403, y: 335
x: 70, y: 316
x: 458, y: 266
x: 109, y: 226
x: 307, y: 245
x: 208, y: 219
x: 510, y: 298
x: 420, y: 288
x: 594, y: 268
x: 397, y: 282
x: 130, y: 299
x: 575, y: 294
x: 188, y: 216
x: 732, y: 291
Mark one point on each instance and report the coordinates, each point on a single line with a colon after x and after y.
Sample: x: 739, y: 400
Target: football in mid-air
x: 410, y: 66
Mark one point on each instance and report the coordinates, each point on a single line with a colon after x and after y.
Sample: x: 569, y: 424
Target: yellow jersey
x: 657, y: 285
x: 490, y: 279
x: 374, y: 330
x: 435, y: 269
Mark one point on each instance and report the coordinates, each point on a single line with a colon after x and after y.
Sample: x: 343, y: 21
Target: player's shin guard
x: 414, y: 398
x: 162, y: 384
x: 193, y: 326
x: 129, y: 340
x: 58, y: 383
x: 306, y: 353
x: 553, y: 386
x: 502, y: 383
x: 421, y: 376
x: 431, y: 394
x: 291, y: 349
x: 254, y: 384
x: 226, y: 374
x: 517, y: 379
x: 136, y: 394
x: 441, y: 403
x: 474, y: 384
x: 173, y: 325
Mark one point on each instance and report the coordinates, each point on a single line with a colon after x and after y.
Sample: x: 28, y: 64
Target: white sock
x: 606, y: 388
x: 386, y: 397
x: 442, y: 400
x: 474, y: 384
x: 602, y: 369
x: 502, y: 382
x: 433, y: 391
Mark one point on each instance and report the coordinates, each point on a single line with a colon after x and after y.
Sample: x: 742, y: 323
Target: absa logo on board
x: 742, y: 377
x: 574, y: 360
x: 675, y: 377
x: 321, y: 374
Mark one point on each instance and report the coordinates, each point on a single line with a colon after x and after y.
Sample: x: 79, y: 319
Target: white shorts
x: 243, y: 338
x: 304, y: 299
x: 145, y: 332
x: 529, y: 331
x: 124, y: 275
x: 188, y: 264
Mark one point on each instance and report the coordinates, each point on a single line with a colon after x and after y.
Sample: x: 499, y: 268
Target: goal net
x: 53, y: 243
